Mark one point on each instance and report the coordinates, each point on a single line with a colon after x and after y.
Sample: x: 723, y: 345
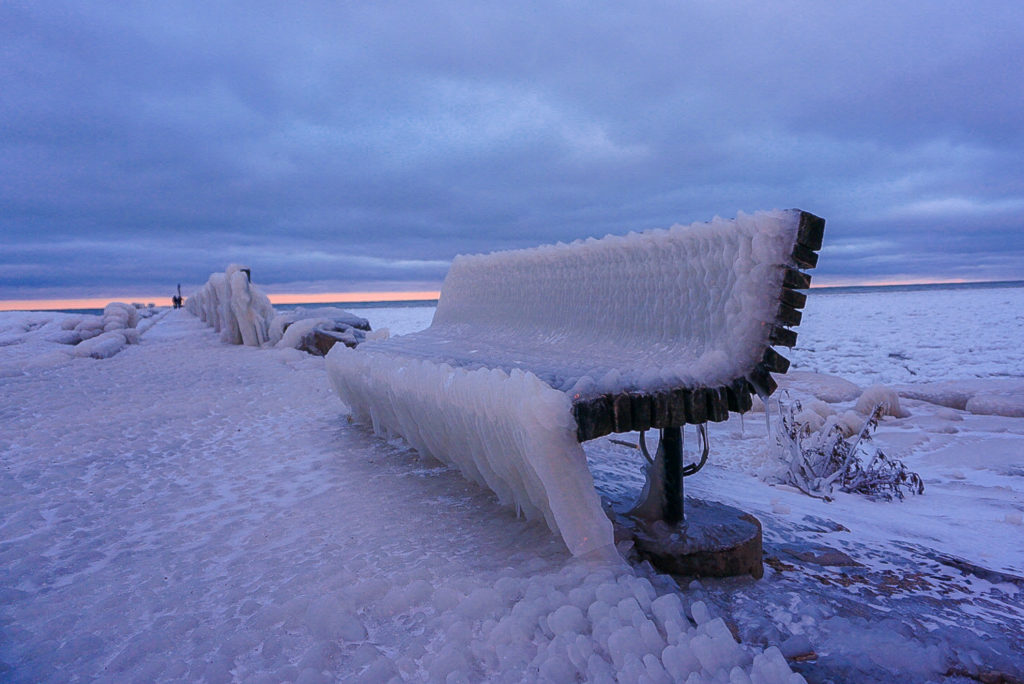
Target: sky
x: 354, y: 146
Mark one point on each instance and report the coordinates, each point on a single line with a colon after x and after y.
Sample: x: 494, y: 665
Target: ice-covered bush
x: 817, y: 461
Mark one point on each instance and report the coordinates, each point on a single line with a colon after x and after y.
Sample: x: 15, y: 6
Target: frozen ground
x: 193, y: 510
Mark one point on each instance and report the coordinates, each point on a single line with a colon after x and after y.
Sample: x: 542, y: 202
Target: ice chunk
x: 567, y: 619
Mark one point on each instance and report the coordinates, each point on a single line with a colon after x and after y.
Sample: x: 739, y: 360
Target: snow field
x: 229, y: 524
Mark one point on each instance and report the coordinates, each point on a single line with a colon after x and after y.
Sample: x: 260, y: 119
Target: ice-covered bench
x: 532, y: 352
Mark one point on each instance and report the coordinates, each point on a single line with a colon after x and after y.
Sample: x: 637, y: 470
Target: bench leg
x: 672, y: 454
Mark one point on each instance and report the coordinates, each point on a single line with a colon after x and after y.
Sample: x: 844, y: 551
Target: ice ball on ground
x: 771, y: 668
x: 557, y: 669
x: 402, y: 598
x: 70, y: 322
x: 328, y: 619
x: 623, y: 642
x: 700, y: 613
x: 796, y: 645
x: 716, y: 648
x: 481, y: 603
x: 667, y: 608
x: 738, y: 676
x: 567, y: 619
x: 679, y: 661
x: 849, y: 423
x: 880, y: 395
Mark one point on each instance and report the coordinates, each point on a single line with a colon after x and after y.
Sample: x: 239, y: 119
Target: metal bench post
x: 672, y: 452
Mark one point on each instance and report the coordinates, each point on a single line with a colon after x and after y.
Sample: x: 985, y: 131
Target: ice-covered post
x: 672, y: 454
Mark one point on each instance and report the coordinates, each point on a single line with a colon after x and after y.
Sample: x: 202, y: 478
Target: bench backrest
x: 706, y: 291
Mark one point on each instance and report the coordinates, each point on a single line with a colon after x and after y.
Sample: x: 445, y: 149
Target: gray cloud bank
x: 341, y: 145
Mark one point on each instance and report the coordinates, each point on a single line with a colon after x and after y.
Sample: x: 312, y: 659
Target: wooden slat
x: 793, y: 298
x: 661, y: 415
x: 784, y: 337
x: 796, y: 280
x: 774, y: 361
x: 718, y: 404
x: 761, y: 378
x: 739, y: 396
x: 788, y: 316
x: 641, y: 408
x: 811, y: 230
x: 696, y: 407
x: 622, y: 413
x: 678, y: 408
x: 804, y: 257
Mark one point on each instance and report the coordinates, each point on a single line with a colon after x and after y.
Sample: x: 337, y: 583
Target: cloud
x: 151, y: 144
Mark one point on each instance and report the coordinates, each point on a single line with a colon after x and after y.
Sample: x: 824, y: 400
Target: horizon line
x: 81, y: 303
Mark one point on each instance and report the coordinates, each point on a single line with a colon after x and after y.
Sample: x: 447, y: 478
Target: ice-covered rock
x: 317, y: 330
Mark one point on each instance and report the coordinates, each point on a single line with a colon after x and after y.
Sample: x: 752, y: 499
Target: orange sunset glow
x: 163, y: 300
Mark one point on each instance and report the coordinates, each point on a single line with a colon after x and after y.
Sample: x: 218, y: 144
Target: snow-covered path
x: 192, y: 510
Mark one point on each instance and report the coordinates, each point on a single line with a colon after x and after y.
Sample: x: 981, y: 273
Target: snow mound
x: 234, y: 307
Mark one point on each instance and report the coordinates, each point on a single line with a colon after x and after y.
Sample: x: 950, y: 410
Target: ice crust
x: 234, y: 307
x: 517, y: 335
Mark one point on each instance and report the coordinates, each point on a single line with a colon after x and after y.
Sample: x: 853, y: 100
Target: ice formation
x: 518, y: 335
x: 234, y: 307
x: 507, y: 431
x: 687, y: 306
x: 316, y: 330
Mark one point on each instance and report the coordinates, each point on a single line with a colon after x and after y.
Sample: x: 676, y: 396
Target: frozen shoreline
x: 189, y: 509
